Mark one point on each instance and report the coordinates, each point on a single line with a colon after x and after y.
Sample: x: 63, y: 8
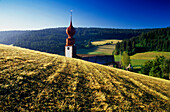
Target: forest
x: 10, y: 37
x: 53, y: 40
x: 157, y: 40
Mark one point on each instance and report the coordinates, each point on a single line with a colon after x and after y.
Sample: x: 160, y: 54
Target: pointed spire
x: 70, y: 30
x: 71, y: 17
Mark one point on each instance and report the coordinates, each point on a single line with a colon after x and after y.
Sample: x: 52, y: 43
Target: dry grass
x: 36, y: 81
x: 106, y: 41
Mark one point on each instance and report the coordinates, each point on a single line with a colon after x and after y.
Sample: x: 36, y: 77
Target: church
x: 70, y: 50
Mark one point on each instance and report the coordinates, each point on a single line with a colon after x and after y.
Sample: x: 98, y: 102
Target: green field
x: 37, y: 81
x: 137, y: 60
x: 150, y: 55
x: 141, y: 58
x: 102, y: 42
x: 100, y: 47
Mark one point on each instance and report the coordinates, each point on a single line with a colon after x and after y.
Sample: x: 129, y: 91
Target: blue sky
x: 39, y: 14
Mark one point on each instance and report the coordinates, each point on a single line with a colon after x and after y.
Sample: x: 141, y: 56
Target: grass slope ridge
x: 36, y: 81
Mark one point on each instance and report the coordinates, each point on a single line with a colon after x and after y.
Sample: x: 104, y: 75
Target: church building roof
x: 70, y: 30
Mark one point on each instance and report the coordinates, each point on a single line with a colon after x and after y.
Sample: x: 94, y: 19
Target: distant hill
x: 10, y: 37
x: 53, y: 40
x: 157, y: 40
x: 36, y: 81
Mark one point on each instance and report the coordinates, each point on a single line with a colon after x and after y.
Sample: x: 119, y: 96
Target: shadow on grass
x: 92, y: 50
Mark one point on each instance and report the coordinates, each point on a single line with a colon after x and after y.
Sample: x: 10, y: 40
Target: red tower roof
x: 70, y: 30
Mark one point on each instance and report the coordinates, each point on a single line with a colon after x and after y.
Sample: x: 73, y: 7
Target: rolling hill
x: 10, y: 37
x: 52, y: 40
x: 36, y: 81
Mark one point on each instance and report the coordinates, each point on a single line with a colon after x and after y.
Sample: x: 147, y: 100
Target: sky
x: 122, y: 14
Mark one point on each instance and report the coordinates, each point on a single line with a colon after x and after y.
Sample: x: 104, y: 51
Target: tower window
x: 68, y: 48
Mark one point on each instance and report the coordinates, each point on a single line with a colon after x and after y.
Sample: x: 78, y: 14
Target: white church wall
x: 69, y: 51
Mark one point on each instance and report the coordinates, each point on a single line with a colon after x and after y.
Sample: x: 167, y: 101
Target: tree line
x: 157, y: 40
x: 53, y: 40
x: 159, y: 67
x: 10, y: 37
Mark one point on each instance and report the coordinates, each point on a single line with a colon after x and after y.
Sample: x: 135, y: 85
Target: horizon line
x: 35, y: 29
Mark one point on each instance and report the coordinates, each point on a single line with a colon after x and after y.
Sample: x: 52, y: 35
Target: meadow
x: 102, y: 42
x: 104, y: 47
x: 101, y: 49
x: 38, y: 81
x: 150, y: 55
x: 140, y: 58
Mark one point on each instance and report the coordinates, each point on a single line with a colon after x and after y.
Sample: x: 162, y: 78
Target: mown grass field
x: 37, y: 81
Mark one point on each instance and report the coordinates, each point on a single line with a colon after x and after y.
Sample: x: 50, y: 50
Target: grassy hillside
x: 36, y: 81
x: 150, y: 55
x: 141, y: 58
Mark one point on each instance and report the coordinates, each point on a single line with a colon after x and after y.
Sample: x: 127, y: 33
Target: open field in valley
x: 140, y: 58
x: 100, y: 47
x: 37, y: 81
x: 102, y: 42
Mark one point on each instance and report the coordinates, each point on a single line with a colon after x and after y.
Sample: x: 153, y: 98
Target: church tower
x: 70, y: 48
